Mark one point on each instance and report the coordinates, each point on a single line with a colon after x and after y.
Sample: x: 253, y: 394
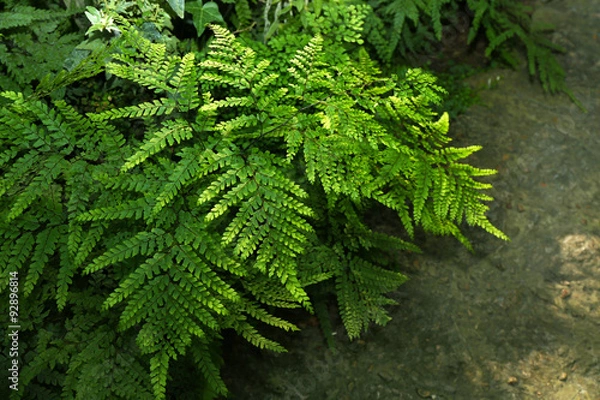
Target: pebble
x: 563, y: 376
x: 512, y: 380
x: 386, y: 376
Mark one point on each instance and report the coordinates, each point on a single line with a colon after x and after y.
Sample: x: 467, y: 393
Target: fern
x: 33, y: 43
x: 399, y: 29
x: 506, y: 20
x: 238, y: 184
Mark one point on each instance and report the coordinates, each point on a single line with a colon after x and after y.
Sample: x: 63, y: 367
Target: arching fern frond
x: 170, y: 132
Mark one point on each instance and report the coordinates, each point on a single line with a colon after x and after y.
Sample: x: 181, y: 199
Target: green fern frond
x: 249, y: 332
x: 150, y: 66
x: 46, y: 243
x: 171, y: 132
x: 352, y: 309
x: 306, y: 68
x: 423, y: 183
x: 258, y: 313
x: 264, y: 190
x: 269, y: 223
x: 155, y: 108
x: 316, y: 265
x: 134, y: 209
x: 359, y: 293
x: 134, y: 281
x: 142, y: 243
x: 69, y: 265
x: 234, y: 63
x: 498, y: 41
x: 150, y: 301
x: 40, y: 184
x: 435, y: 11
x: 479, y: 8
x: 34, y: 44
x: 203, y: 355
x: 243, y: 13
x: 184, y: 83
x: 188, y: 168
x: 194, y: 232
x: 266, y: 293
x: 159, y: 367
x: 198, y: 276
x: 376, y: 279
x: 505, y: 20
x: 20, y: 251
x: 24, y: 16
x: 20, y: 168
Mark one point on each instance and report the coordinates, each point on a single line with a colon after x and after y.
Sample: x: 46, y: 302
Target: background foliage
x: 164, y: 180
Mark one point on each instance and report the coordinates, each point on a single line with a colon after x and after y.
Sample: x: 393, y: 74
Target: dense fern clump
x: 226, y: 195
x: 33, y: 43
x: 238, y: 185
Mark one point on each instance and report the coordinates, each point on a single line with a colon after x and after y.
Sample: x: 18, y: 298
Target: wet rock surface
x: 515, y: 320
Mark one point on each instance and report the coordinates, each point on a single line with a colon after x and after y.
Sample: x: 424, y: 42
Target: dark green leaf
x: 204, y: 14
x: 178, y: 6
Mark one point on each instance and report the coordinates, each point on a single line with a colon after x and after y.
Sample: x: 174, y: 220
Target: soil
x: 514, y: 320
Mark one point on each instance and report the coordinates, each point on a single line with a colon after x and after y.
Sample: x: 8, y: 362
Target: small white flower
x: 100, y: 21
